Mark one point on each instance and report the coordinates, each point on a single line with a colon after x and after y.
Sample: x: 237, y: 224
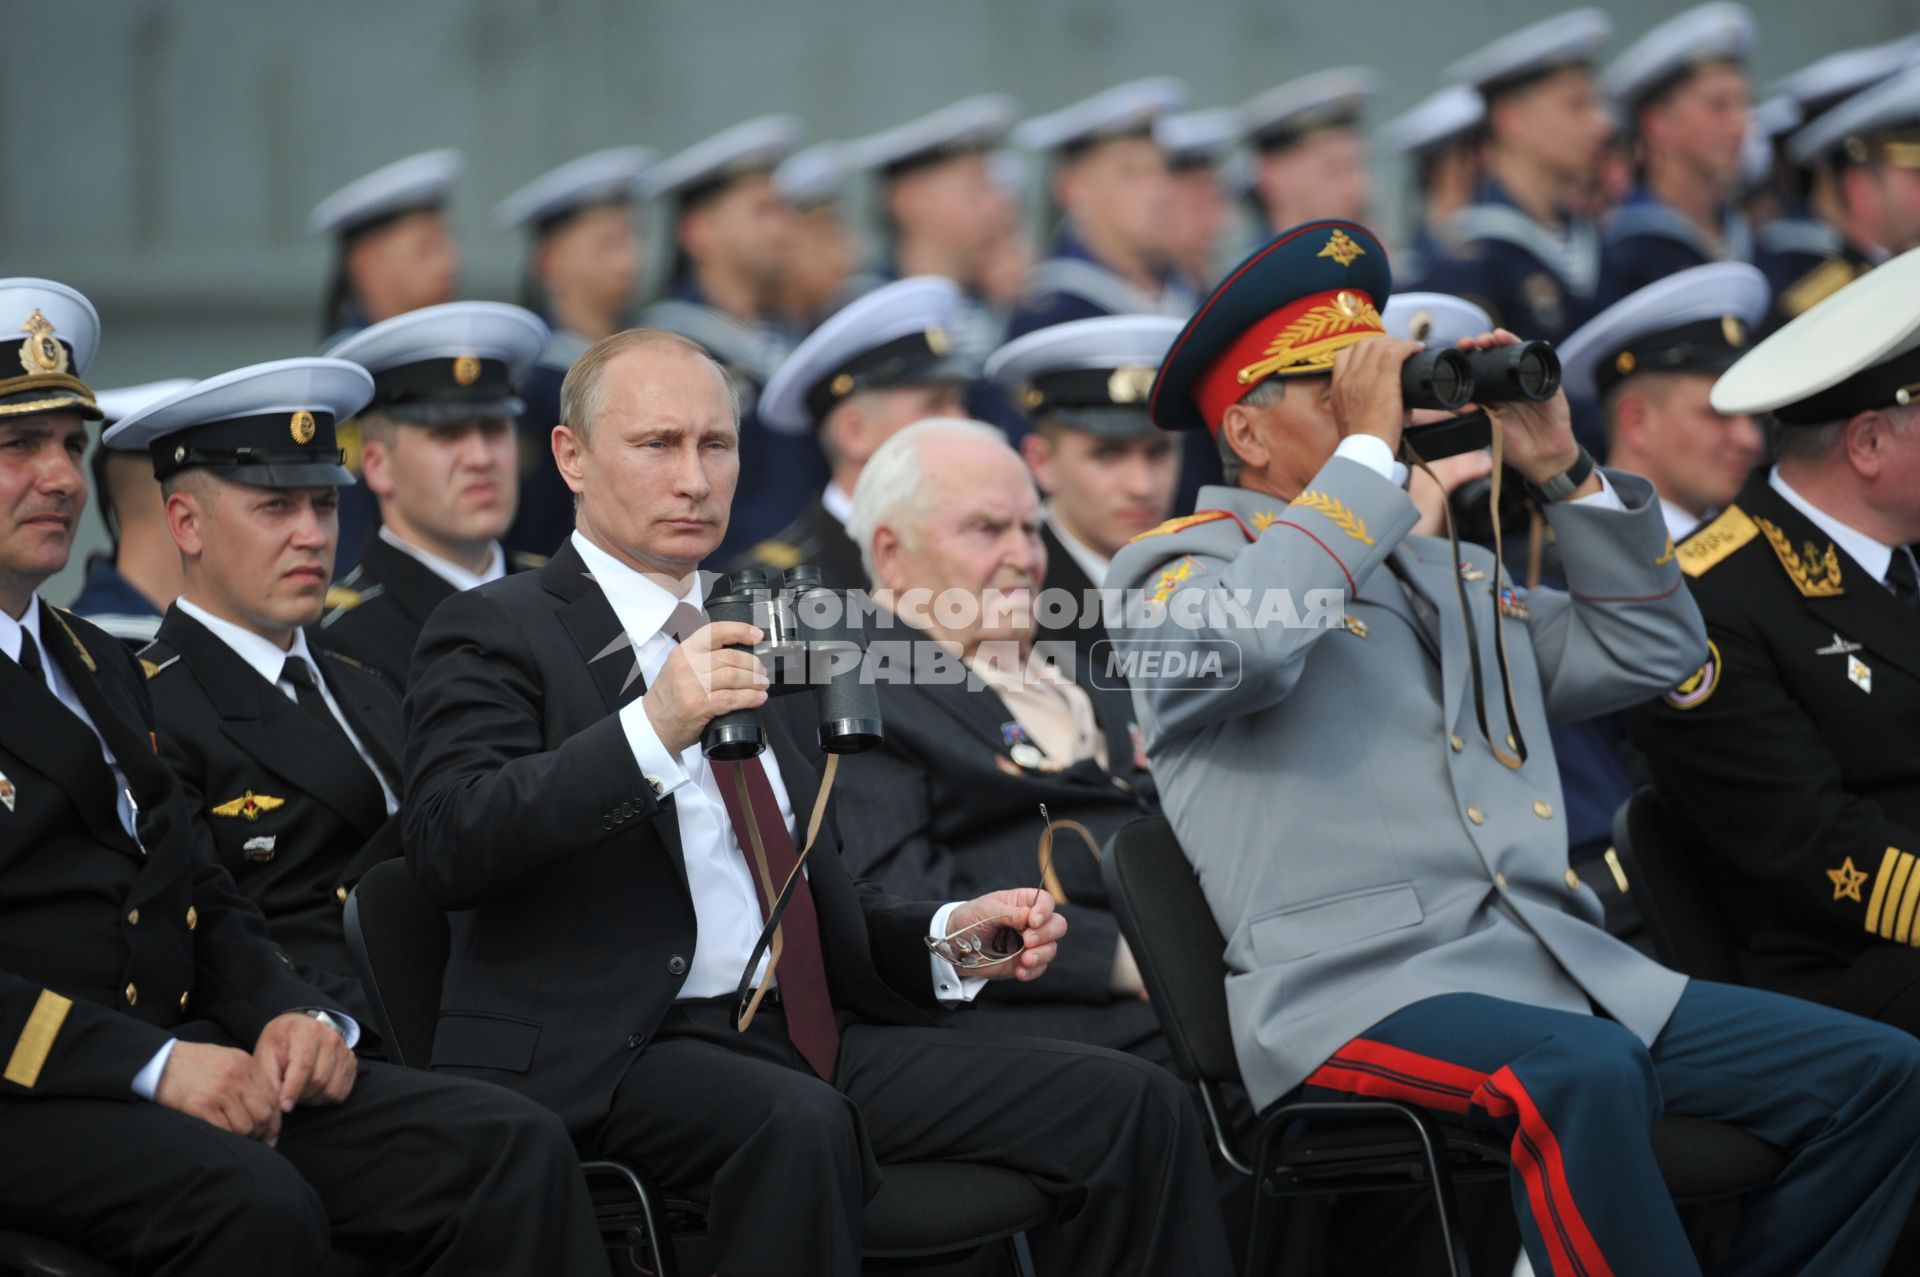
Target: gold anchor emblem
x: 40, y: 353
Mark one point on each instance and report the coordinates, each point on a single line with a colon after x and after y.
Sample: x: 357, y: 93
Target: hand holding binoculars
x: 1447, y: 380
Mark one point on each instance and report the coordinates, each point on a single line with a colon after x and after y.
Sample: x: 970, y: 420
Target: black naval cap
x: 1698, y: 320
x: 48, y: 333
x: 461, y: 361
x: 268, y: 425
x: 1092, y: 375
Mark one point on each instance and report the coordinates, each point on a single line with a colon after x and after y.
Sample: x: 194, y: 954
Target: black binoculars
x: 811, y: 640
x: 1447, y: 380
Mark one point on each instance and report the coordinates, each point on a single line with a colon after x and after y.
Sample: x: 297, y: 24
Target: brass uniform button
x: 1500, y: 881
x: 193, y: 917
x: 1474, y: 814
x: 133, y: 917
x: 1543, y: 809
x: 1455, y: 741
x: 133, y: 995
x: 1573, y: 880
x: 183, y: 1002
x: 1356, y: 627
x: 340, y: 894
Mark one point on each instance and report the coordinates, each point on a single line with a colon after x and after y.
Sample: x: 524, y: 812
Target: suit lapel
x: 40, y: 729
x: 410, y: 583
x: 1063, y: 570
x: 274, y: 730
x: 357, y: 693
x: 609, y: 658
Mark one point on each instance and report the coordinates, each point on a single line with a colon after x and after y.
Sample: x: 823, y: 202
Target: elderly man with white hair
x: 992, y: 727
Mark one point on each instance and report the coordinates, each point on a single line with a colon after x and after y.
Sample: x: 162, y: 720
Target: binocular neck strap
x: 1517, y: 756
x: 1050, y: 880
x: 747, y: 995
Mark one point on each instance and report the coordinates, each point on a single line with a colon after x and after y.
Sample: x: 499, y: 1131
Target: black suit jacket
x: 317, y: 821
x: 941, y: 810
x: 106, y: 949
x: 815, y: 537
x: 1802, y: 787
x: 527, y: 816
x: 1087, y: 628
x: 376, y: 612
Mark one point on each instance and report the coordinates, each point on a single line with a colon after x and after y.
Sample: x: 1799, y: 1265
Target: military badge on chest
x: 7, y: 793
x: 1020, y: 745
x: 1859, y: 673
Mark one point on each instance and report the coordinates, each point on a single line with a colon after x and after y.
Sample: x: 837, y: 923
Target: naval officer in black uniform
x: 439, y: 456
x: 172, y: 1097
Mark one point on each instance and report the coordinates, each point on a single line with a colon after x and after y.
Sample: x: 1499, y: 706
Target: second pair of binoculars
x: 811, y: 640
x: 1447, y: 380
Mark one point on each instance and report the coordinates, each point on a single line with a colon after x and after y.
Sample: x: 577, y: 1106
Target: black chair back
x: 1688, y: 931
x: 400, y: 940
x: 1178, y: 946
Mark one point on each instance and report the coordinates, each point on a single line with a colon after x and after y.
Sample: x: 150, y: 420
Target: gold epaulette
x: 1815, y: 572
x: 343, y: 658
x: 1186, y: 521
x: 526, y: 561
x: 1716, y: 541
x: 1818, y: 284
x: 776, y: 554
x: 339, y: 596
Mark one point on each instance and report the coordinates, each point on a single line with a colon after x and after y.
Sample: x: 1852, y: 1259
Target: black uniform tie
x: 307, y: 693
x: 30, y: 657
x: 1902, y: 579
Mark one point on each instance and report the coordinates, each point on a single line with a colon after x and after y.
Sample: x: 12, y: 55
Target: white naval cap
x: 813, y: 175
x: 1331, y: 99
x: 1720, y: 31
x: 49, y: 332
x: 270, y: 425
x: 971, y: 125
x: 1434, y: 319
x: 1126, y: 110
x: 1435, y: 121
x: 404, y: 186
x: 1857, y: 350
x: 1012, y: 171
x: 1094, y: 375
x: 1696, y: 320
x: 1765, y: 122
x: 900, y: 334
x: 1838, y: 76
x: 453, y: 362
x: 1198, y: 139
x: 1564, y: 40
x: 756, y: 146
x: 121, y: 402
x: 604, y: 177
x: 1859, y: 126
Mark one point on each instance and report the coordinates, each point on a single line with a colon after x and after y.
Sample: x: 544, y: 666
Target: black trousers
x: 791, y: 1160
x: 434, y: 1175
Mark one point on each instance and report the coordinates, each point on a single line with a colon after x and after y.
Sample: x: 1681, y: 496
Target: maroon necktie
x: 803, y: 967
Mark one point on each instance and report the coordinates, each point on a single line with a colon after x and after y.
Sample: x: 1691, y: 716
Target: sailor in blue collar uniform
x: 583, y: 269
x: 129, y: 587
x: 817, y: 272
x: 728, y: 226
x: 1683, y: 89
x: 1310, y: 148
x: 1110, y: 187
x: 1519, y: 250
x: 395, y: 252
x: 1439, y: 138
x: 1199, y: 146
x: 1792, y: 246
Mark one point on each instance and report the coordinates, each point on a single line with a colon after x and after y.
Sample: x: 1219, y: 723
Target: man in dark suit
x: 288, y: 757
x: 949, y: 805
x: 1794, y: 756
x: 605, y: 913
x: 173, y: 1098
x: 1109, y: 475
x: 438, y: 451
x: 882, y: 362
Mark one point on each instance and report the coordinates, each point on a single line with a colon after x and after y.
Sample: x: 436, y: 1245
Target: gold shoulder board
x: 1186, y: 521
x: 1818, y: 284
x: 777, y: 554
x: 1716, y: 541
x: 339, y: 596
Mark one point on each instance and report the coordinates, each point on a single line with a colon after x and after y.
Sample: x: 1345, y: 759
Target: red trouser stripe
x: 1378, y: 1069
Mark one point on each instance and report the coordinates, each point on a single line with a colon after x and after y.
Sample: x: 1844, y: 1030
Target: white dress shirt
x: 1091, y: 561
x: 1372, y: 452
x: 267, y: 660
x: 1679, y: 521
x: 147, y: 1081
x: 452, y: 573
x: 726, y: 907
x: 1874, y: 556
x: 838, y: 503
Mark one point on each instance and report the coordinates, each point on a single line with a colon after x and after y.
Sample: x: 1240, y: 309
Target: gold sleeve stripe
x: 1903, y: 920
x: 1887, y: 863
x: 1896, y: 883
x: 36, y: 1040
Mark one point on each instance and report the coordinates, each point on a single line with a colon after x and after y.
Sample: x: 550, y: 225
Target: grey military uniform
x: 1358, y: 840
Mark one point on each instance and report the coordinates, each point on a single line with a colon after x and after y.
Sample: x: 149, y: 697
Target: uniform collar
x: 452, y: 573
x: 261, y: 654
x: 1091, y: 561
x: 1861, y: 548
x: 641, y: 603
x: 835, y: 501
x: 10, y: 629
x: 1679, y: 521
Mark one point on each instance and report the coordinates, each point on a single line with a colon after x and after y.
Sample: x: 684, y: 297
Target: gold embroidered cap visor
x: 1285, y: 311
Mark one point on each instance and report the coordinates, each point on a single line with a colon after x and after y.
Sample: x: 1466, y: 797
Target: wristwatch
x: 1564, y: 484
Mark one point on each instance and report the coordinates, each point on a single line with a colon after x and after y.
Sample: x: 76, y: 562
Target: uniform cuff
x: 1605, y: 499
x: 1372, y: 452
x: 340, y: 1022
x: 949, y: 986
x: 146, y: 1083
x: 662, y: 770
